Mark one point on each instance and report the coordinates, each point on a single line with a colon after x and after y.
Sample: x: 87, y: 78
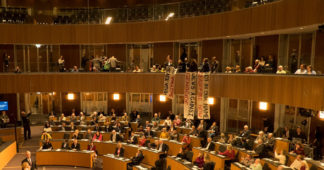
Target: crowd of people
x: 263, y: 145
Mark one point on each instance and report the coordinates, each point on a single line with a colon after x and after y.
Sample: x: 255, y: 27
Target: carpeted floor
x: 33, y: 145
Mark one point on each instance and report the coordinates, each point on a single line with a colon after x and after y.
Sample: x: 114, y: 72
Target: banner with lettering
x: 169, y: 82
x: 190, y: 95
x: 203, y: 110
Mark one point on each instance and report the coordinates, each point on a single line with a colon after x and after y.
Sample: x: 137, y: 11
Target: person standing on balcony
x: 61, y: 63
x: 6, y: 59
x: 113, y: 63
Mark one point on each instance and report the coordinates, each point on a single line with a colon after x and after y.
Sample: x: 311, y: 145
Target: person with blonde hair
x: 230, y: 153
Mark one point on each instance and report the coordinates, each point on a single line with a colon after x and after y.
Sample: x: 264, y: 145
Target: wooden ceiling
x: 49, y: 4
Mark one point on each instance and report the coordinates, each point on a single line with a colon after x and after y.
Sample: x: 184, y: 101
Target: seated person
x: 299, y: 163
x: 164, y: 134
x: 281, y: 157
x: 222, y: 138
x: 115, y: 137
x: 45, y: 136
x: 186, y: 139
x: 136, y: 160
x: 75, y: 145
x: 177, y: 121
x: 270, y: 142
x: 260, y: 149
x: 63, y: 126
x: 155, y: 126
x: 229, y: 152
x: 167, y: 121
x: 119, y: 128
x: 299, y: 150
x: 202, y: 124
x: 47, y: 127
x: 209, y: 165
x: 124, y: 117
x: 247, y: 160
x: 62, y: 118
x: 47, y: 144
x: 200, y: 160
x: 132, y: 139
x: 97, y: 127
x: 156, y: 118
x: 142, y: 141
x: 246, y: 132
x: 76, y: 135
x: 260, y: 136
x: 119, y: 150
x: 155, y: 145
x: 174, y: 135
x: 213, y: 130
x: 188, y: 123
x: 92, y: 147
x: 182, y: 153
x: 65, y: 144
x: 97, y: 136
x: 299, y: 134
x: 148, y: 132
x: 256, y: 165
x: 72, y: 126
x: 164, y: 148
x: 193, y: 131
x: 210, y: 146
x: 88, y: 135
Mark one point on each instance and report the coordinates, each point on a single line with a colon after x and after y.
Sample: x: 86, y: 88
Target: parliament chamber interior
x: 162, y: 84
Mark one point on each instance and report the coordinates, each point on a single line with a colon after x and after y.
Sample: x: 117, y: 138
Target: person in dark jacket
x: 119, y: 150
x: 193, y: 67
x: 205, y: 66
x: 182, y: 66
x: 26, y: 124
x: 30, y: 162
x: 136, y: 160
x: 65, y: 145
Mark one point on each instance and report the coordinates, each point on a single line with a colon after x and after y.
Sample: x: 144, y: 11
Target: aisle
x: 32, y: 145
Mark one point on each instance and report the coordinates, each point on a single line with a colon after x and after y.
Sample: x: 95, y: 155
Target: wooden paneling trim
x: 279, y: 15
x: 301, y: 91
x: 7, y: 154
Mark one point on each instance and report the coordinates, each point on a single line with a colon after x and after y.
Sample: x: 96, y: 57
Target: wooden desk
x: 218, y: 159
x: 237, y: 166
x: 174, y: 147
x: 272, y: 165
x: 177, y: 165
x: 183, y: 130
x: 8, y: 134
x: 281, y: 144
x: 60, y: 134
x: 7, y: 151
x: 310, y: 162
x: 80, y: 158
x: 111, y: 162
x: 195, y: 141
x: 150, y: 156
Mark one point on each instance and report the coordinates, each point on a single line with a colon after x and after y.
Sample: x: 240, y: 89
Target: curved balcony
x: 300, y: 91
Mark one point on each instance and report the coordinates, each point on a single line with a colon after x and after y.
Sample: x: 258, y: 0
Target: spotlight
x: 70, y: 96
x: 263, y: 105
x: 321, y: 114
x: 171, y: 14
x: 211, y: 100
x: 162, y: 98
x: 108, y: 20
x: 38, y: 45
x: 116, y: 96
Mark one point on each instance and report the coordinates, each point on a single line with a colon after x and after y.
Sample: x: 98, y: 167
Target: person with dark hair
x: 214, y: 65
x: 4, y: 119
x: 301, y: 70
x: 119, y: 150
x: 205, y: 66
x: 317, y: 144
x: 209, y: 165
x: 299, y: 150
x: 299, y: 134
x: 6, y: 59
x: 97, y: 136
x: 75, y: 145
x: 193, y: 67
x: 136, y: 160
x: 182, y: 66
x: 47, y: 144
x: 200, y: 160
x: 26, y: 124
x: 65, y: 145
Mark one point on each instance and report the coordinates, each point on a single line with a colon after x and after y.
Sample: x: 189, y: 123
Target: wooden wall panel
x: 68, y: 105
x: 160, y: 51
x: 319, y: 52
x: 162, y: 107
x: 118, y: 105
x: 259, y: 117
x: 283, y: 14
x: 290, y: 90
x: 71, y: 54
x: 211, y: 48
x: 117, y: 50
x: 267, y: 45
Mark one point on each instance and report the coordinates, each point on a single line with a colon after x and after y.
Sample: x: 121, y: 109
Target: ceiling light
x: 38, y: 45
x: 108, y: 20
x: 263, y: 105
x: 171, y: 14
x: 321, y: 114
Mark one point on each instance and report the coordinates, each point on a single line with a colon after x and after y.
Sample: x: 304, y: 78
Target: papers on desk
x: 58, y: 150
x: 141, y: 168
x: 213, y: 152
x: 221, y: 156
x: 186, y: 162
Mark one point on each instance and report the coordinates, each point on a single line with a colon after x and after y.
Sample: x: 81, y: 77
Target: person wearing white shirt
x: 299, y: 163
x: 167, y: 121
x: 301, y: 70
x: 281, y: 157
x: 29, y: 161
x: 310, y: 70
x: 281, y: 70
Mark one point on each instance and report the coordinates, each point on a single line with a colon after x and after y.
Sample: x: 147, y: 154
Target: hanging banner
x: 203, y: 110
x: 190, y: 95
x: 169, y: 82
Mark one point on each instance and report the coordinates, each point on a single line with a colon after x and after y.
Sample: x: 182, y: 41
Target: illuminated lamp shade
x: 116, y: 96
x: 211, y: 100
x: 108, y: 20
x: 162, y: 98
x: 70, y: 96
x: 263, y: 106
x: 321, y: 114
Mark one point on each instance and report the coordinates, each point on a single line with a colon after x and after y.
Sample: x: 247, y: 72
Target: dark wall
x: 162, y: 107
x: 266, y: 45
x: 213, y: 48
x: 317, y: 122
x: 9, y: 49
x: 118, y: 105
x: 12, y: 105
x: 319, y: 52
x: 71, y: 54
x: 259, y: 117
x: 117, y: 50
x: 160, y: 51
x: 68, y: 105
x: 215, y: 110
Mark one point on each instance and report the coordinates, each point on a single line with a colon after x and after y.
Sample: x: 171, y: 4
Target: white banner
x: 203, y: 110
x: 169, y: 82
x: 190, y: 95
